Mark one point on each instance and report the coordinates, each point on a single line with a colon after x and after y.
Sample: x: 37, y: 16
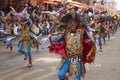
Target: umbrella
x: 50, y: 2
x: 41, y: 0
x: 53, y: 2
x: 78, y: 4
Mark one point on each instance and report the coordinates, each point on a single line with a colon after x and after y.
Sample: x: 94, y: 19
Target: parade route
x: 59, y: 39
x: 13, y: 67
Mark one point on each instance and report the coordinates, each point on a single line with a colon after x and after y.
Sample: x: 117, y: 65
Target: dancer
x: 75, y: 47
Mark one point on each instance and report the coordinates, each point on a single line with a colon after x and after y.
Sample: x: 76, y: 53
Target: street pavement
x: 13, y: 66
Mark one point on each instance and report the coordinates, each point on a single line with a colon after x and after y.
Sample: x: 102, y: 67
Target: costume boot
x: 37, y: 48
x: 25, y: 58
x: 30, y: 62
x: 66, y: 78
x: 11, y: 49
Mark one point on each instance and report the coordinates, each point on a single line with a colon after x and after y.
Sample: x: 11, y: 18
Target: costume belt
x: 73, y: 71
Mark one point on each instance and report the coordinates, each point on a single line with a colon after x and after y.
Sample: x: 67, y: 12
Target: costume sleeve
x: 89, y: 49
x: 86, y: 38
x: 58, y: 47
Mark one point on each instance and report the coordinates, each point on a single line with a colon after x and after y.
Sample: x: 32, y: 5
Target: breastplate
x: 25, y: 35
x: 73, y: 43
x: 8, y: 30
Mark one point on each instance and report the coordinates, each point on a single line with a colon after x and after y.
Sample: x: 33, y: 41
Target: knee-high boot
x: 25, y: 58
x: 66, y: 78
x: 30, y: 62
x: 11, y: 49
